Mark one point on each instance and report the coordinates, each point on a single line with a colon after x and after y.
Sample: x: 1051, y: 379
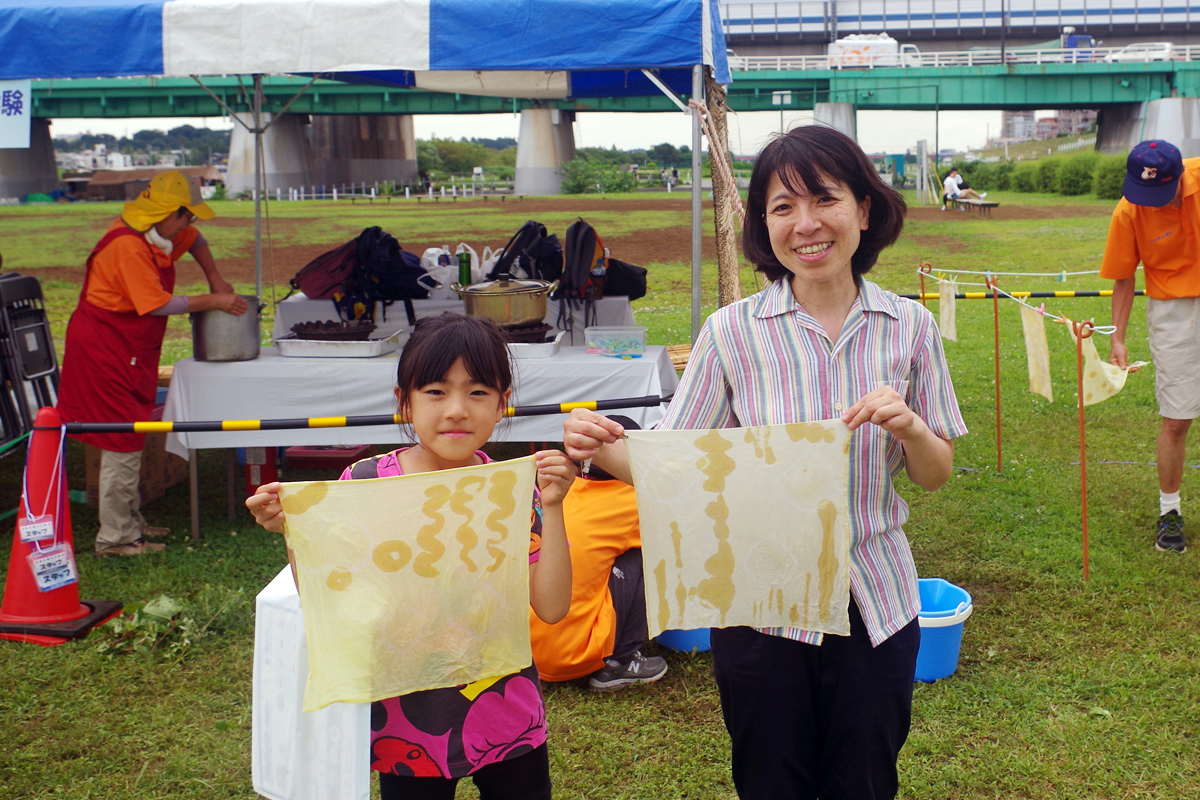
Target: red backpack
x: 330, y: 273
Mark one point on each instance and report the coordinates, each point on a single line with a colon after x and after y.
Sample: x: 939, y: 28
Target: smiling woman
x: 813, y: 715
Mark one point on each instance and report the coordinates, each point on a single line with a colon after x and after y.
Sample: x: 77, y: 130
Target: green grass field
x: 1065, y: 688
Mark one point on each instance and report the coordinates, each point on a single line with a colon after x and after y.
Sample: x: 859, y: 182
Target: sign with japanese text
x: 16, y: 112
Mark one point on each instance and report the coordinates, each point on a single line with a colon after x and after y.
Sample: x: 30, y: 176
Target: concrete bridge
x: 363, y: 132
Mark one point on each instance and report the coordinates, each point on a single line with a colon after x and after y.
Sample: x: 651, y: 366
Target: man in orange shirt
x: 115, y: 336
x: 1158, y: 223
x: 602, y: 635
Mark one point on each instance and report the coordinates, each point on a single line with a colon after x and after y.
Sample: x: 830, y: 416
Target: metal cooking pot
x: 220, y: 336
x: 511, y: 303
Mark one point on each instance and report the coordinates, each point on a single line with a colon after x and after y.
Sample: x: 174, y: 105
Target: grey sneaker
x: 639, y: 669
x: 1170, y: 533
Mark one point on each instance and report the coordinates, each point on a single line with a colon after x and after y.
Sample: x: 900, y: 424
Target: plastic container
x: 944, y: 609
x: 629, y: 340
x: 686, y: 641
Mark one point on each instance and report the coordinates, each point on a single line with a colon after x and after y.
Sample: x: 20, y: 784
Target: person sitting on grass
x: 956, y: 189
x: 602, y: 635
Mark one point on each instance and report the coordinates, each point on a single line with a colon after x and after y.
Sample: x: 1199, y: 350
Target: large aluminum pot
x: 511, y: 303
x: 220, y: 336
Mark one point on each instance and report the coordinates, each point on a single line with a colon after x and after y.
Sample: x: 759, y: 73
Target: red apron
x: 110, y: 362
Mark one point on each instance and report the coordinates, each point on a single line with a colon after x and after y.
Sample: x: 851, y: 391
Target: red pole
x: 925, y: 269
x: 991, y: 284
x: 1082, y: 331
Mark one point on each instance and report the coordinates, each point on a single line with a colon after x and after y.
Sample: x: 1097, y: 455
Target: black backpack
x: 625, y: 279
x: 582, y: 252
x: 540, y: 254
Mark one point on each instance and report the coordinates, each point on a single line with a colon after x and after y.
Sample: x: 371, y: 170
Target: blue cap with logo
x: 1152, y: 173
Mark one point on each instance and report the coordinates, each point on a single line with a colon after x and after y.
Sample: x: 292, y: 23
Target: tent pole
x: 258, y: 187
x: 697, y: 190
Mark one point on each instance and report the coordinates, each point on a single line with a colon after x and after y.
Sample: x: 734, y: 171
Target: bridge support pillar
x: 840, y: 116
x: 352, y: 149
x: 287, y: 155
x: 32, y: 169
x: 1175, y: 119
x: 547, y: 140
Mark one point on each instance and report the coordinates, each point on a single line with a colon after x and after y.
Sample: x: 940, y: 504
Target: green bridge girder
x: 928, y: 88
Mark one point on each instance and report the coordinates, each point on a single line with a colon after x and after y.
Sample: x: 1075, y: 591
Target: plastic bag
x: 442, y: 267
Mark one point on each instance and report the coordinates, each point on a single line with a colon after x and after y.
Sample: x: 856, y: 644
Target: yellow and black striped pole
x: 1019, y: 295
x: 171, y: 426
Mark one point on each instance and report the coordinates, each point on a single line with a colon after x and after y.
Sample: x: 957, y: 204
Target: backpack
x: 540, y: 254
x: 582, y: 252
x: 328, y: 274
x: 625, y: 279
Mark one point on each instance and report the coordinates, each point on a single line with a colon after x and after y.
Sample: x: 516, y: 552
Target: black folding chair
x: 26, y: 345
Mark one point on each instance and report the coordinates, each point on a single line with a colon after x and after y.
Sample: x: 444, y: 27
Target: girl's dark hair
x: 816, y: 154
x: 437, y: 342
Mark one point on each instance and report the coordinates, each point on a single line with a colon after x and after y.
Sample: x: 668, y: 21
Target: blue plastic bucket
x: 944, y: 609
x: 686, y: 641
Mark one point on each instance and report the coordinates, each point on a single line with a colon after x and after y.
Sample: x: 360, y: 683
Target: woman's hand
x: 928, y: 459
x: 584, y: 432
x: 218, y: 285
x: 264, y: 505
x: 886, y: 408
x: 230, y: 303
x: 555, y: 474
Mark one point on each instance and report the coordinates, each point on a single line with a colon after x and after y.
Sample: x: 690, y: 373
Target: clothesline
x: 1107, y: 330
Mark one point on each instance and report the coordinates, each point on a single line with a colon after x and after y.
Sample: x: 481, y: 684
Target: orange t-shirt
x: 1165, y: 240
x: 124, y: 275
x: 602, y: 523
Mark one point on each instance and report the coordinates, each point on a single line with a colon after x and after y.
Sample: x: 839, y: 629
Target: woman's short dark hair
x: 437, y: 342
x: 816, y: 154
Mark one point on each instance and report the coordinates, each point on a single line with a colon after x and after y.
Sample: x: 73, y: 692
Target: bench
x: 982, y: 208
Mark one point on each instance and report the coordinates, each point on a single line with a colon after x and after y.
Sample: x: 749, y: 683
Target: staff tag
x: 37, y: 529
x: 53, y: 568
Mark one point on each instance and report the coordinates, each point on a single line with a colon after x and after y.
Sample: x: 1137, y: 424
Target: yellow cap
x: 168, y: 191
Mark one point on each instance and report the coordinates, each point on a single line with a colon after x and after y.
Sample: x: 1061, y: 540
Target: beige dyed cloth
x: 745, y: 526
x: 414, y: 582
x: 947, y: 289
x: 1037, y: 352
x: 1101, y: 380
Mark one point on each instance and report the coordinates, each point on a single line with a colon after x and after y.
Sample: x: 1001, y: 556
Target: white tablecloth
x: 274, y: 387
x: 610, y: 312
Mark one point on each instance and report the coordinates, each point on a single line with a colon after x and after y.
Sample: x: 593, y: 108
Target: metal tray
x: 291, y: 347
x: 523, y: 350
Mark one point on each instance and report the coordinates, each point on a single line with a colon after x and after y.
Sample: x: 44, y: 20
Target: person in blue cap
x: 1157, y: 223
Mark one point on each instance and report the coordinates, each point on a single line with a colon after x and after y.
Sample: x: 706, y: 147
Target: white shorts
x: 1174, y: 327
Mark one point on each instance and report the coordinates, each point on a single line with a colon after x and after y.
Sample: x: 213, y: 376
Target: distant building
x: 1074, y: 121
x: 127, y: 184
x: 1047, y: 128
x: 1018, y: 126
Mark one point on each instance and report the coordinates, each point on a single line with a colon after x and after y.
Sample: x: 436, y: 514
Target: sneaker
x: 615, y: 675
x: 155, y: 533
x: 1170, y: 533
x: 137, y: 548
x: 943, y: 208
x: 982, y: 195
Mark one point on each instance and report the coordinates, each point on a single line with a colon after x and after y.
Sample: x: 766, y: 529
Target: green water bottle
x: 464, y: 268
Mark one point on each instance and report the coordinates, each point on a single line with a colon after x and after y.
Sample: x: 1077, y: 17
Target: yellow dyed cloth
x: 1037, y: 352
x: 1101, y: 380
x: 947, y: 289
x: 414, y: 582
x: 745, y: 526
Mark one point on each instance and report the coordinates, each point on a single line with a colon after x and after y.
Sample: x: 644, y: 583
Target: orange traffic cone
x: 41, y: 598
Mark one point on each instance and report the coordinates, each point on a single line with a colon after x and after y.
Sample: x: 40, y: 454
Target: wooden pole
x: 729, y: 288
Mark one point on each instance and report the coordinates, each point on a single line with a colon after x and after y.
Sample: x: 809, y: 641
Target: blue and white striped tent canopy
x: 576, y: 48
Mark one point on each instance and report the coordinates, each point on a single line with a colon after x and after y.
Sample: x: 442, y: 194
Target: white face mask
x: 154, y: 238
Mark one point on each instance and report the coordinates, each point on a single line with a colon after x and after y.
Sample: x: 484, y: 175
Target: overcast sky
x: 878, y: 131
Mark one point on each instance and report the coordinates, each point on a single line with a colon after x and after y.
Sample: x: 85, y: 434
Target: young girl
x: 452, y: 385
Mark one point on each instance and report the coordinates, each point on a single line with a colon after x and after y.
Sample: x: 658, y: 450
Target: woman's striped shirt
x: 766, y: 361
